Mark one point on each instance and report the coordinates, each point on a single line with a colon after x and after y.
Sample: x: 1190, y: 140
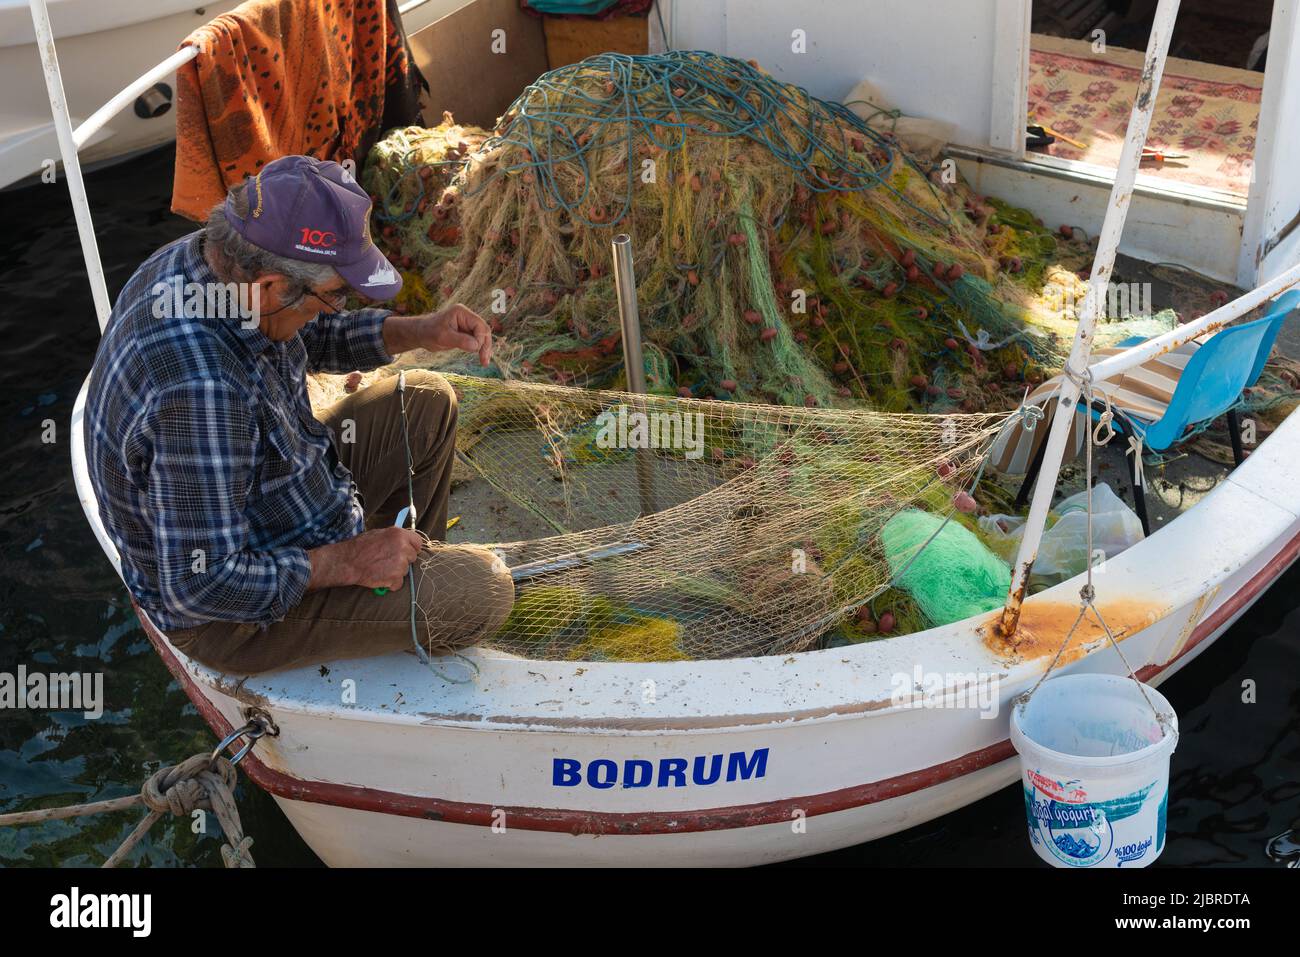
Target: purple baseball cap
x: 313, y: 210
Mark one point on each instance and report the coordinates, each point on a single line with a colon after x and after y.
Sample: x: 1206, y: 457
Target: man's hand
x: 375, y: 559
x: 455, y: 327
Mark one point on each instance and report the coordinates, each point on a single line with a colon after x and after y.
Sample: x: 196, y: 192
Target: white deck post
x: 71, y: 165
x: 1120, y: 196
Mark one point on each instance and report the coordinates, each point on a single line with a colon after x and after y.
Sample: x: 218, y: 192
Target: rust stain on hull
x: 1044, y: 625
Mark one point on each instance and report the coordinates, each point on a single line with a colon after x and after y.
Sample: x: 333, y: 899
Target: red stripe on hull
x: 666, y: 822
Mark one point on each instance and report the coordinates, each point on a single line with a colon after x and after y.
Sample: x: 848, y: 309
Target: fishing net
x: 786, y: 251
x: 830, y: 327
x: 700, y: 529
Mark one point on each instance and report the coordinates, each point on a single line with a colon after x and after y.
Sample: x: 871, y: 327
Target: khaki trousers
x: 464, y: 592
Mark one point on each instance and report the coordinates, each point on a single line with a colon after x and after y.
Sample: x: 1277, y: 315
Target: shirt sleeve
x: 200, y: 475
x: 344, y: 341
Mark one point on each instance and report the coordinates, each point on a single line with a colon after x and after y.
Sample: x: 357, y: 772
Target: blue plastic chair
x: 1210, y: 386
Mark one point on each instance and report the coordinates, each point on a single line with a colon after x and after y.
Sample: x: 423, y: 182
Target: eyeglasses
x: 331, y: 305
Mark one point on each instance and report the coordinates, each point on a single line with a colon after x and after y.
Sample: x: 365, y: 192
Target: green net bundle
x: 785, y: 251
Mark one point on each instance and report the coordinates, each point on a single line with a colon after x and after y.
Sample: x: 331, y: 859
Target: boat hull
x: 743, y: 761
x: 350, y: 825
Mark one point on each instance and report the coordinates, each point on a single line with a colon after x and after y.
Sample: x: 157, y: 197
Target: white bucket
x: 1094, y: 762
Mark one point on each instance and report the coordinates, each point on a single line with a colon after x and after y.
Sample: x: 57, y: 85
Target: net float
x: 767, y: 335
x: 886, y: 622
x: 964, y: 503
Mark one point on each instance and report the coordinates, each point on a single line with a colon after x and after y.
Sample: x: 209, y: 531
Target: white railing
x: 1112, y: 366
x: 81, y: 136
x: 1121, y: 195
x: 71, y: 141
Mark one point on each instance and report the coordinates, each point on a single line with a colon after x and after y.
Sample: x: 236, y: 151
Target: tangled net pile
x: 786, y: 251
x: 700, y: 529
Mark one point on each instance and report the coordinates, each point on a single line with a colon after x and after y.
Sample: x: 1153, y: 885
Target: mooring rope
x: 201, y: 782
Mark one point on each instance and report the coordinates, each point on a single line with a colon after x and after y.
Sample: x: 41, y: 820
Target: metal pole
x: 71, y: 165
x: 1121, y: 195
x: 633, y: 356
x: 1112, y: 366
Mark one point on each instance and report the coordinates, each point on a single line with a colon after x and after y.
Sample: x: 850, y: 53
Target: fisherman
x: 253, y: 534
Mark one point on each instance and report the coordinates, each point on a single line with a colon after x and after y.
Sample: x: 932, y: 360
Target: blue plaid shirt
x: 212, y: 474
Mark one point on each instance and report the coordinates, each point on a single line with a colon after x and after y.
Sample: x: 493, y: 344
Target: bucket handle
x: 1087, y: 594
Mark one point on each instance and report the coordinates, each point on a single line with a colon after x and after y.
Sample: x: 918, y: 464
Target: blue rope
x: 559, y: 120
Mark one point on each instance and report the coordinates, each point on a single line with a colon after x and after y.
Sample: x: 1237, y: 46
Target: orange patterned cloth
x: 1209, y: 112
x: 274, y: 78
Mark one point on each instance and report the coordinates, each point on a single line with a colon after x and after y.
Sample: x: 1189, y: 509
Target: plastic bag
x: 1063, y: 552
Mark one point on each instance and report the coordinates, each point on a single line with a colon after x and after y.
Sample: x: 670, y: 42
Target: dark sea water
x: 1235, y: 779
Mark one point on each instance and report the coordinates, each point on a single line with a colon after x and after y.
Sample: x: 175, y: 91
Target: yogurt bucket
x: 1094, y: 762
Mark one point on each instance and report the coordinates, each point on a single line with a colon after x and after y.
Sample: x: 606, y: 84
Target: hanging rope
x: 1088, y: 593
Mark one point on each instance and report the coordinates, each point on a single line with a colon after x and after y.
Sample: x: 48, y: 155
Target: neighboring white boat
x: 103, y: 46
x: 722, y: 762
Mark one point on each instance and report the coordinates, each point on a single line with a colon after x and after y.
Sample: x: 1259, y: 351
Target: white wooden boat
x: 422, y: 772
x: 726, y: 762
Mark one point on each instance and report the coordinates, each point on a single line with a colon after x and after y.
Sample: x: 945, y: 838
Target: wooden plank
x: 568, y: 41
x: 466, y: 77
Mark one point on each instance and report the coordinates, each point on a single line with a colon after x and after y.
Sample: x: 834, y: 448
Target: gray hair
x: 239, y: 260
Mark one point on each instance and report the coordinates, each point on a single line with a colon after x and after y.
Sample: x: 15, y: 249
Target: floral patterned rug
x: 1206, y: 111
